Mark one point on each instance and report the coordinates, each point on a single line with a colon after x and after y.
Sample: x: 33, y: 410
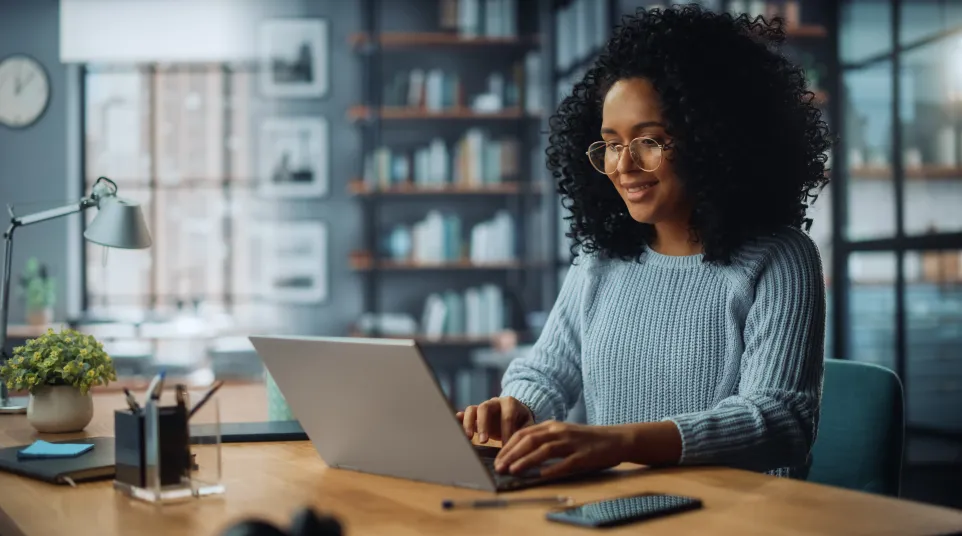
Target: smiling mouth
x: 640, y: 187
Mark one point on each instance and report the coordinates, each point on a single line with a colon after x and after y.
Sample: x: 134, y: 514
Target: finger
x: 516, y: 438
x: 509, y: 413
x: 548, y: 450
x: 459, y: 416
x: 468, y: 422
x: 565, y: 466
x: 487, y: 412
x: 521, y: 448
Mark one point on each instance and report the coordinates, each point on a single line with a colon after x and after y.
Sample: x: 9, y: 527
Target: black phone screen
x: 624, y: 509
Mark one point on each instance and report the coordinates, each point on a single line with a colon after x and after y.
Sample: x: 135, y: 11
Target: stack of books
x: 476, y: 312
x: 480, y: 18
x: 476, y: 159
x: 438, y: 238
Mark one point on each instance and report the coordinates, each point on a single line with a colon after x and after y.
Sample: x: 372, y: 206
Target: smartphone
x: 624, y: 510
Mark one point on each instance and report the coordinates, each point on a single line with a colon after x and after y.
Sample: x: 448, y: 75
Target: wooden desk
x: 273, y: 480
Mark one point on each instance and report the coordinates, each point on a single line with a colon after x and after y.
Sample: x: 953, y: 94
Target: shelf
x: 357, y: 113
x: 924, y: 172
x: 357, y: 187
x: 440, y: 39
x: 363, y: 261
x: 446, y: 340
x: 806, y: 30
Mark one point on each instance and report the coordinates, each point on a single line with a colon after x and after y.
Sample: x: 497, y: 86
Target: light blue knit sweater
x: 733, y: 355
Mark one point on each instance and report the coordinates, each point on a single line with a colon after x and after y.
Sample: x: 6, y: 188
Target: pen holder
x: 159, y: 460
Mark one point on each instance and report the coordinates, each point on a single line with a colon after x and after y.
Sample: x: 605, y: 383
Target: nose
x: 626, y: 164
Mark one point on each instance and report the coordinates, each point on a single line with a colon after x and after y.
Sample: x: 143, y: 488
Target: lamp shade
x: 119, y: 223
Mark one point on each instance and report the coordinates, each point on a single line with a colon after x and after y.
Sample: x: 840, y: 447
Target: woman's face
x: 632, y: 110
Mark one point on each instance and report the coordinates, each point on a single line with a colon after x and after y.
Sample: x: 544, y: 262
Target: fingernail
x: 483, y: 437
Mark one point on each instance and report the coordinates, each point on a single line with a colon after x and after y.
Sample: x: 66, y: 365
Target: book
x: 95, y: 464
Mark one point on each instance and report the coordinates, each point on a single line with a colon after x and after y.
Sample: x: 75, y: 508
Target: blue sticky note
x: 44, y: 449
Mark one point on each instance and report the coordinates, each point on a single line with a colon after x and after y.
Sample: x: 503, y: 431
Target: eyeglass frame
x: 661, y: 146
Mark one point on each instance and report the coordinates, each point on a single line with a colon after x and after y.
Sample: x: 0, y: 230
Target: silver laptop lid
x: 372, y: 405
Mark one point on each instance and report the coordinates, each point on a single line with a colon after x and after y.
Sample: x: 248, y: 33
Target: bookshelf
x: 447, y: 341
x: 450, y: 182
x: 807, y: 30
x: 913, y: 173
x: 362, y: 260
x: 360, y: 113
x: 359, y: 188
x: 399, y: 40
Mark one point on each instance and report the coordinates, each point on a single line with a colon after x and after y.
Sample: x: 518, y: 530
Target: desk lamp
x: 119, y: 223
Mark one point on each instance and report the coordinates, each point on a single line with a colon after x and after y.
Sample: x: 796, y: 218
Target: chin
x: 641, y: 214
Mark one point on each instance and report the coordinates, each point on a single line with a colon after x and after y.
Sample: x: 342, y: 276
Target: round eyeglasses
x: 645, y: 152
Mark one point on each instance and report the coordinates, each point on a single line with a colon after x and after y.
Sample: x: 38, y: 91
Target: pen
x: 131, y: 401
x: 203, y: 400
x: 156, y: 386
x: 501, y: 503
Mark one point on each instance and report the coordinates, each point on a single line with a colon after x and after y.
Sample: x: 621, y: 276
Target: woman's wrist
x: 650, y: 443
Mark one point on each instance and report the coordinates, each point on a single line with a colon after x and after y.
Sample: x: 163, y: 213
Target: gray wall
x: 33, y: 161
x: 340, y: 211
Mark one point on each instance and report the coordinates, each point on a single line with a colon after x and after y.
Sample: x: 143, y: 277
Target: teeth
x: 635, y: 189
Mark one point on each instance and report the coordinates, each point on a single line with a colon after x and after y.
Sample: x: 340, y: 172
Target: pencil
x: 200, y: 403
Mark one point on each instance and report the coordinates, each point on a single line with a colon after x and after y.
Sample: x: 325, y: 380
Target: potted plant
x: 58, y: 369
x: 39, y: 293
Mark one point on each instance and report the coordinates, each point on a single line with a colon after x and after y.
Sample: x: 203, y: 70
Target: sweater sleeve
x: 548, y: 379
x: 771, y: 421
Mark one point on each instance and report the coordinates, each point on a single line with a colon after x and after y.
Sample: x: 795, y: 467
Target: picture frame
x: 294, y: 58
x: 295, y: 268
x: 294, y: 157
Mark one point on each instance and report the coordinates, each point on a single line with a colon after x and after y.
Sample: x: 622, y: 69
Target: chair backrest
x: 861, y: 429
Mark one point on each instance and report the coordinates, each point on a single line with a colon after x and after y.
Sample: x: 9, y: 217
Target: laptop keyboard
x: 506, y: 481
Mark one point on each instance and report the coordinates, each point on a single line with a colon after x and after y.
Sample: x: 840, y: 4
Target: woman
x: 693, y: 319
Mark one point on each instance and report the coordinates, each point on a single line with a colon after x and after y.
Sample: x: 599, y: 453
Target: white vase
x: 59, y: 408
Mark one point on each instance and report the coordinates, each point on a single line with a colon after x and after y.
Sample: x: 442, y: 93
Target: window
x: 173, y: 138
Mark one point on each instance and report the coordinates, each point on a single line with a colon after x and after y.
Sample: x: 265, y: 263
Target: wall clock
x: 24, y: 91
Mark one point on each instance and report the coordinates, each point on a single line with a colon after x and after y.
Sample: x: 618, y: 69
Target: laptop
x: 374, y: 406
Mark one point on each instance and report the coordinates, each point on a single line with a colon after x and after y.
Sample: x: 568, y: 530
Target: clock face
x: 24, y: 91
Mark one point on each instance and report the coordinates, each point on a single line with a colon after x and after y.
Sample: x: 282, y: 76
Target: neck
x: 674, y: 238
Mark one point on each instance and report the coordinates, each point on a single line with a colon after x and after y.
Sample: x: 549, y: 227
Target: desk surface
x: 273, y: 480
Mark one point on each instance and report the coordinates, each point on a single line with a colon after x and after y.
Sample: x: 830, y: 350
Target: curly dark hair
x: 750, y: 142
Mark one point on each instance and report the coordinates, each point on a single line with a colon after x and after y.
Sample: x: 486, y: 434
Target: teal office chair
x: 861, y: 429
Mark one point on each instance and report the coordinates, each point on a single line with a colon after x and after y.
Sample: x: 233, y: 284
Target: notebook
x: 95, y: 464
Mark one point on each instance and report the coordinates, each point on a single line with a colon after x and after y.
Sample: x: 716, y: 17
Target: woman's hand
x: 582, y: 447
x: 498, y: 418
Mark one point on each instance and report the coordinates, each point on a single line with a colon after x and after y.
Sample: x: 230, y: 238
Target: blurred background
x: 376, y: 167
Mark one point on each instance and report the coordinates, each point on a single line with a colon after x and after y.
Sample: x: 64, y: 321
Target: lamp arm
x: 53, y: 213
x: 15, y: 222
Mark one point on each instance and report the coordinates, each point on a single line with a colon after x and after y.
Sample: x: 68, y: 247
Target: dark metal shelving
x: 371, y: 117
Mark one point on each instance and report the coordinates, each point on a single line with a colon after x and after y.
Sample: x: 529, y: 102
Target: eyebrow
x: 643, y: 124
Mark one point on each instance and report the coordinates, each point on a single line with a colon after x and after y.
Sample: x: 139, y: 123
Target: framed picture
x: 294, y: 159
x: 293, y: 58
x: 295, y: 262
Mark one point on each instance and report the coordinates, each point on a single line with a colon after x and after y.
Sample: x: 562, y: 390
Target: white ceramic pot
x: 59, y: 408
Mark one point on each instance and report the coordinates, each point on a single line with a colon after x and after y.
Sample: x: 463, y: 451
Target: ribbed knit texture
x: 733, y: 355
